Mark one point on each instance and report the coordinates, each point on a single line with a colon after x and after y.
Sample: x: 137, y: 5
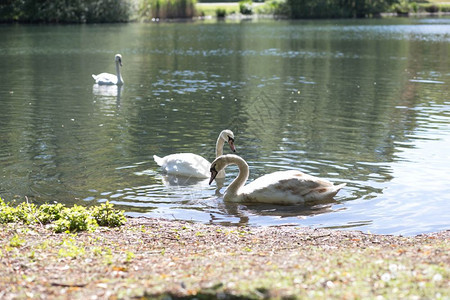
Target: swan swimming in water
x: 282, y: 187
x: 110, y: 79
x: 193, y: 165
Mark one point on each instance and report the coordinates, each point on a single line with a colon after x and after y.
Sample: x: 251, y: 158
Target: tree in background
x: 73, y: 11
x: 162, y: 9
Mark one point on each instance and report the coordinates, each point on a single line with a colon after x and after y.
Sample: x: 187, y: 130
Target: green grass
x: 209, y: 9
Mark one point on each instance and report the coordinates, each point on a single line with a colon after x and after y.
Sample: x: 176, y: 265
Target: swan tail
x: 340, y: 186
x: 336, y: 189
x: 159, y: 160
x: 324, y: 193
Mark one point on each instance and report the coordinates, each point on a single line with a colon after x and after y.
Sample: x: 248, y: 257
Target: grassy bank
x: 404, y: 7
x: 155, y: 258
x: 210, y: 9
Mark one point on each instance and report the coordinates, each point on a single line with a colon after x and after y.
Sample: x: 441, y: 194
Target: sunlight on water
x: 361, y: 102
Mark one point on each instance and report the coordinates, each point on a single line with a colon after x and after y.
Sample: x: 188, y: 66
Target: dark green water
x: 364, y: 102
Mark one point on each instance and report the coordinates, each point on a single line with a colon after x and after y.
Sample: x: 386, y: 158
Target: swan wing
x: 289, y: 187
x: 105, y: 78
x: 184, y: 164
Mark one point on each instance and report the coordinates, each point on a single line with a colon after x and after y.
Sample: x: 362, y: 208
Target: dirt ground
x: 160, y: 259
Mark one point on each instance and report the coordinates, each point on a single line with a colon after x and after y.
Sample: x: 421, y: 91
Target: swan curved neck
x: 219, y: 146
x: 239, y: 181
x: 119, y: 76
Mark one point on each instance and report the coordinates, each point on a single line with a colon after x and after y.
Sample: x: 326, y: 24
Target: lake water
x: 365, y: 102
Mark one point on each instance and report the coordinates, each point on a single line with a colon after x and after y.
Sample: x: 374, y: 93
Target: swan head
x: 220, y: 163
x: 216, y: 166
x: 118, y: 59
x: 228, y: 136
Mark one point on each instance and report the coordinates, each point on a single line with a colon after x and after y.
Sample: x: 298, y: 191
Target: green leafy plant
x: 7, y: 213
x: 16, y: 241
x: 71, y: 249
x: 130, y: 256
x: 106, y: 215
x: 50, y: 212
x: 73, y: 219
x: 27, y: 212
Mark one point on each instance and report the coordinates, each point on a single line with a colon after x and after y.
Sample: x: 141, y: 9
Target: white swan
x: 283, y: 187
x: 193, y: 165
x: 110, y: 79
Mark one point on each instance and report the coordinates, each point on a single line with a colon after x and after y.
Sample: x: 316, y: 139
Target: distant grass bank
x: 210, y: 9
x: 405, y: 7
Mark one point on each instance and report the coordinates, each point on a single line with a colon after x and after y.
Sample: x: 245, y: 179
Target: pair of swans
x: 110, y: 79
x: 283, y: 187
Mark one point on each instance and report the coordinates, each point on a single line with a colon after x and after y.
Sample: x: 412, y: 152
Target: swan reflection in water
x: 107, y: 92
x: 192, y: 182
x: 244, y: 211
x: 107, y: 97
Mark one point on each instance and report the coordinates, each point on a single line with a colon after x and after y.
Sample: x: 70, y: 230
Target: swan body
x: 193, y: 165
x: 110, y: 79
x: 282, y: 187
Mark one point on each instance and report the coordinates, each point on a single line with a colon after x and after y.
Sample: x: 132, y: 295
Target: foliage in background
x: 402, y: 7
x: 61, y: 218
x: 405, y: 7
x: 97, y: 11
x: 62, y: 11
x: 273, y: 7
x: 162, y: 9
x: 434, y: 8
x: 216, y: 9
x: 337, y: 8
x: 245, y: 7
x: 221, y: 12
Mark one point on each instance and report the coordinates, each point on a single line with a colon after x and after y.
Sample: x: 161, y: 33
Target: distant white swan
x: 193, y: 165
x: 110, y: 79
x: 283, y: 187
